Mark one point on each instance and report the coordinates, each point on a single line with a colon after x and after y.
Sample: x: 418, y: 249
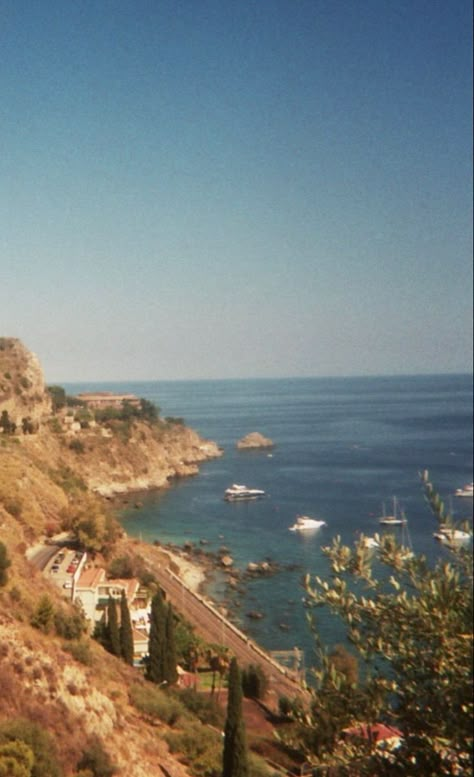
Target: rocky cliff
x: 22, y: 390
x: 111, y: 457
x: 70, y: 688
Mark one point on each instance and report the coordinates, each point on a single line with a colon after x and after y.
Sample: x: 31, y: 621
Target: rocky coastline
x: 198, y: 569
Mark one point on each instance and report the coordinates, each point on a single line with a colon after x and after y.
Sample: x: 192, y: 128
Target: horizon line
x: 264, y: 378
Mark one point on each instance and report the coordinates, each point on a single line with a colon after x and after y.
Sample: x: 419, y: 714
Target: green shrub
x: 16, y: 759
x: 122, y: 567
x: 147, y: 579
x: 200, y: 747
x: 55, y: 425
x: 156, y: 704
x: 39, y: 742
x: 43, y: 616
x: 68, y: 480
x: 80, y: 650
x: 203, y: 707
x: 254, y: 682
x: 96, y: 759
x: 69, y: 625
x: 4, y: 564
x: 13, y: 506
x: 77, y: 446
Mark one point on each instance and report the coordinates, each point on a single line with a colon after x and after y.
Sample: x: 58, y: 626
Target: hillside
x: 59, y: 686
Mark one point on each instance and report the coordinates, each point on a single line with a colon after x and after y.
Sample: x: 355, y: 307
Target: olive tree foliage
x: 413, y: 629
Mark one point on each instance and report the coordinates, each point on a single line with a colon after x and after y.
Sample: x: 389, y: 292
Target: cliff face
x: 110, y: 463
x: 22, y: 389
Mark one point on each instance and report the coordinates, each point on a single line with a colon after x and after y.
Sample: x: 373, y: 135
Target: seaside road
x: 213, y: 627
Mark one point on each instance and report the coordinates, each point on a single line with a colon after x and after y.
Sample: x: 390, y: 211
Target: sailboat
x: 405, y: 539
x: 395, y: 519
x: 399, y: 519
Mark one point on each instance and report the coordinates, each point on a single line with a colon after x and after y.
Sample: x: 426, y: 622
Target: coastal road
x: 214, y: 628
x: 41, y: 555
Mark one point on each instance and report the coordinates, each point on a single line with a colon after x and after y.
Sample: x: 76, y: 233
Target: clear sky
x: 236, y: 188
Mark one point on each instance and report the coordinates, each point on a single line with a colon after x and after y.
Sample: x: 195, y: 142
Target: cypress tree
x: 157, y: 642
x: 126, y: 634
x: 170, y: 654
x: 235, y: 760
x: 113, y: 637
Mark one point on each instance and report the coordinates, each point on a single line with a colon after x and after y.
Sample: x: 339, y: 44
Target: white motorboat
x: 236, y: 491
x: 305, y: 523
x: 467, y: 490
x: 452, y: 537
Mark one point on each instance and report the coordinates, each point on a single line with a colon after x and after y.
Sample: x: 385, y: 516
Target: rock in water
x: 254, y: 440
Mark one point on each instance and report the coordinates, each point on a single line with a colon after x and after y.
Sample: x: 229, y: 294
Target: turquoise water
x: 343, y: 447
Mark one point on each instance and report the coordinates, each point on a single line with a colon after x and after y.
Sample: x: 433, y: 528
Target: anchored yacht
x: 236, y: 491
x: 303, y: 523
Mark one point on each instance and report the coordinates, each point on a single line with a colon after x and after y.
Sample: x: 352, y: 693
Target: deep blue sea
x: 343, y: 448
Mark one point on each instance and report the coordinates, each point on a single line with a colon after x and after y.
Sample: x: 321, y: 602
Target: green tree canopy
x: 58, y: 397
x: 94, y: 529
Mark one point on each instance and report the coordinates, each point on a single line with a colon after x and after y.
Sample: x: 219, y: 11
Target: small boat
x: 467, y: 490
x: 395, y: 519
x: 304, y: 523
x: 452, y: 537
x: 371, y: 543
x: 237, y: 491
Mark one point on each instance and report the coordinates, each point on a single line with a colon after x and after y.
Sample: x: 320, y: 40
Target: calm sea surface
x: 343, y: 448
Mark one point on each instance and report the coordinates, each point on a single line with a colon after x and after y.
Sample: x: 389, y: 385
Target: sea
x: 344, y: 448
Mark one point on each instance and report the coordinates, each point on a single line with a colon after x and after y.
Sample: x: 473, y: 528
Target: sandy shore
x: 192, y: 574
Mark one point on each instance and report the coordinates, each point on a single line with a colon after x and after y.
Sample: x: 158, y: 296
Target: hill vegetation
x: 68, y: 707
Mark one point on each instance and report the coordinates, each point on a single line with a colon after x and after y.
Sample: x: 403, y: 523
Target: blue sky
x: 216, y: 189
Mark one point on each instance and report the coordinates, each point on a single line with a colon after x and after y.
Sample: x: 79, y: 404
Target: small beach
x: 191, y: 572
